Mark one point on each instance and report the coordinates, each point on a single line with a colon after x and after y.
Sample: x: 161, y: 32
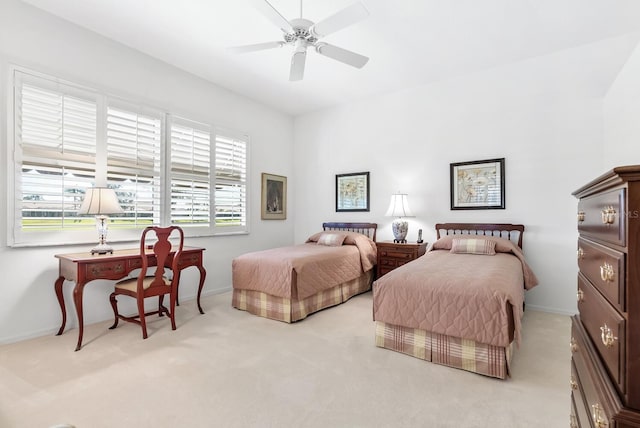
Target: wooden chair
x: 156, y: 284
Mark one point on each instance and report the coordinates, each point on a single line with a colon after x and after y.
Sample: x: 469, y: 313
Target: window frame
x: 16, y: 237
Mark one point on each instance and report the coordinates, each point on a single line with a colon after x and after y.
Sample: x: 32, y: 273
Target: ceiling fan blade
x: 272, y: 15
x: 256, y: 47
x: 297, y: 66
x: 341, y: 19
x: 351, y: 58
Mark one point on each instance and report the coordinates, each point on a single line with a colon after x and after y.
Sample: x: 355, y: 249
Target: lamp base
x: 400, y: 228
x: 102, y: 248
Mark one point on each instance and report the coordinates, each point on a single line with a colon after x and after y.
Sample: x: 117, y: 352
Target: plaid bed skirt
x: 292, y: 310
x: 488, y: 360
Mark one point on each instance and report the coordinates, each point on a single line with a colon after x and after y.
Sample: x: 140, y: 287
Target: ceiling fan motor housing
x: 300, y: 31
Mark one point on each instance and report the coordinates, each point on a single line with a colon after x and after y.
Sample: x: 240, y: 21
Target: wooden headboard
x: 368, y: 229
x: 512, y: 232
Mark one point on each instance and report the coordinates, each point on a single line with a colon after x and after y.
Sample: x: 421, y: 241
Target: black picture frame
x: 273, y: 205
x: 478, y: 185
x: 352, y: 192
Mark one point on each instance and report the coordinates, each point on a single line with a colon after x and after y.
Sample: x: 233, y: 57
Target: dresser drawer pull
x: 580, y: 216
x: 607, y: 273
x: 580, y: 295
x: 608, y: 215
x: 573, y: 345
x: 580, y: 253
x: 573, y: 384
x: 596, y: 415
x: 573, y: 421
x: 607, y: 337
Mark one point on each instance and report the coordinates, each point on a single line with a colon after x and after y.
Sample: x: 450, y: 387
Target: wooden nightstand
x: 391, y: 255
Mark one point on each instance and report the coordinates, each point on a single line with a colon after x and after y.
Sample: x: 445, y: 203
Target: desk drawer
x: 605, y: 269
x: 603, y: 216
x: 190, y: 259
x: 606, y: 328
x: 109, y: 270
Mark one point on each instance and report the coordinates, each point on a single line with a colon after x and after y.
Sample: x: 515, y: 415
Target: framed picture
x: 477, y: 185
x: 352, y: 192
x: 274, y: 197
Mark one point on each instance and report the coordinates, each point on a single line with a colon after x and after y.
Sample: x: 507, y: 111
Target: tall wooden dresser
x: 605, y: 335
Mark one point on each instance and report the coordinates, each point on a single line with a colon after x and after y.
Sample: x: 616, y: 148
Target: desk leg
x: 77, y: 299
x: 60, y: 296
x: 203, y: 275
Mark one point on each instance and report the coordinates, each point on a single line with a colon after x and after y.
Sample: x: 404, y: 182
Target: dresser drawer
x: 579, y: 416
x: 605, y: 269
x: 606, y: 328
x: 603, y: 216
x: 591, y: 406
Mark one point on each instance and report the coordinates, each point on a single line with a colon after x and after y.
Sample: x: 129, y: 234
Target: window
x: 165, y: 169
x: 231, y: 181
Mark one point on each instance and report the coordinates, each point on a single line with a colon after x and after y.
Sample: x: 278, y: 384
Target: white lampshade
x: 399, y: 206
x: 100, y: 201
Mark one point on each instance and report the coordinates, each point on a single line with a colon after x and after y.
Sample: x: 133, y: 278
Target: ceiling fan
x: 301, y: 33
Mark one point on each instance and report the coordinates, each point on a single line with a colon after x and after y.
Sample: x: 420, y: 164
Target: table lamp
x: 101, y: 201
x: 399, y: 208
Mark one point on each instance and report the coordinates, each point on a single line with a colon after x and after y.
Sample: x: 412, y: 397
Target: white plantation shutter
x: 231, y: 181
x: 165, y: 170
x: 133, y: 164
x: 190, y: 170
x: 55, y: 127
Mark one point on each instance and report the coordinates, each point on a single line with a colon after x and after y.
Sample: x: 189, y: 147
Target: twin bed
x: 459, y: 305
x: 290, y: 283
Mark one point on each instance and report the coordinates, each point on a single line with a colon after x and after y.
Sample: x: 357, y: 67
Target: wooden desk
x: 82, y: 268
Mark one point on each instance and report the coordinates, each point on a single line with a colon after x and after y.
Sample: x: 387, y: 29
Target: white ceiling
x: 410, y: 42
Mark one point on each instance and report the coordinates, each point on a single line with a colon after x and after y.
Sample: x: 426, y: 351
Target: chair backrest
x: 161, y: 249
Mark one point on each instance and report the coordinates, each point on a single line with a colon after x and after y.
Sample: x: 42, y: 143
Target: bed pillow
x: 473, y: 246
x: 332, y: 239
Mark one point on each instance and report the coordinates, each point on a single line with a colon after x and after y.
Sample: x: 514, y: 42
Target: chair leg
x: 114, y: 306
x: 143, y: 322
x: 161, y: 309
x: 173, y: 300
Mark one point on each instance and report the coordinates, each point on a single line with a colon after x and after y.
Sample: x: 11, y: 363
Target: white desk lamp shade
x: 399, y: 208
x: 101, y: 201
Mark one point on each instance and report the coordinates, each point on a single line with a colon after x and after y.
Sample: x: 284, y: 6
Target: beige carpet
x: 228, y: 368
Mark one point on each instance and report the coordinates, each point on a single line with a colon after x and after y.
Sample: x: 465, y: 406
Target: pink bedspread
x: 463, y: 295
x: 299, y: 271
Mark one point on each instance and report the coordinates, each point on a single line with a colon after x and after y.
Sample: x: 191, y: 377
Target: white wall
x: 34, y: 39
x: 542, y: 115
x: 622, y: 116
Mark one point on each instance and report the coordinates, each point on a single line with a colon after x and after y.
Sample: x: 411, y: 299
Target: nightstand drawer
x: 393, y: 254
x: 398, y: 254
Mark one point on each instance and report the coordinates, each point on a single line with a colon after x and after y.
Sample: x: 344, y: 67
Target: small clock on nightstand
x: 392, y: 254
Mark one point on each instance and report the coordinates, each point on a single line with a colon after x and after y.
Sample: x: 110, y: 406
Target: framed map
x: 477, y: 185
x: 352, y: 192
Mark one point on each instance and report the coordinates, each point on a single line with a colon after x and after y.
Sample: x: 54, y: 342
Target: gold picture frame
x: 273, y: 205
